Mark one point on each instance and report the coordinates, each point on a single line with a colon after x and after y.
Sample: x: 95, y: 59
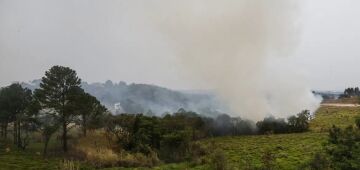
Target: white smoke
x: 233, y: 45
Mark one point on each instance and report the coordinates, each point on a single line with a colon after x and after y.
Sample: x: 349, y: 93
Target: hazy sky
x: 107, y: 39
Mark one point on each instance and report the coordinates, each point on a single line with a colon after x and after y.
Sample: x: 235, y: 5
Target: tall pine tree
x: 56, y: 95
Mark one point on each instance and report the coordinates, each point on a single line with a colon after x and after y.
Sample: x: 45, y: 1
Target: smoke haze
x: 254, y: 53
x: 232, y: 46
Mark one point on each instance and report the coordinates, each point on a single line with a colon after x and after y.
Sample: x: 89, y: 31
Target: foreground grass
x: 13, y: 159
x: 291, y: 151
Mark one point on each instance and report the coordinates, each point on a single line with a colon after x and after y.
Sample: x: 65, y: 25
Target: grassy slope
x: 339, y: 116
x: 292, y: 150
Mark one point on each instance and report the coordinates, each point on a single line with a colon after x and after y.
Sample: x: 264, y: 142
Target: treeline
x: 351, y: 92
x: 294, y: 124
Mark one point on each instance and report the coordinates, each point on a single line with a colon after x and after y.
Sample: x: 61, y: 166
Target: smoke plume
x: 239, y: 49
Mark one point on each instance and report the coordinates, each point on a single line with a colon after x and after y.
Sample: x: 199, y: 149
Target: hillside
x: 148, y: 99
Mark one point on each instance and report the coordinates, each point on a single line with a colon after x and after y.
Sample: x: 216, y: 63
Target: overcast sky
x: 105, y: 39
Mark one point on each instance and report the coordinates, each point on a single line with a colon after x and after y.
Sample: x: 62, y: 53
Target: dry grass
x: 69, y: 165
x: 95, y: 149
x: 98, y: 151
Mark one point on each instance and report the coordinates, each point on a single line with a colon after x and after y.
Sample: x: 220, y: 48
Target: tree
x: 299, y: 123
x: 17, y: 106
x: 48, y: 125
x: 272, y: 125
x: 91, y: 111
x: 57, y: 93
x: 4, y: 115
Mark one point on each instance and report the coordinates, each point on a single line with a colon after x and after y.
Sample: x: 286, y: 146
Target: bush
x: 175, y: 146
x: 343, y: 148
x: 272, y: 125
x: 138, y: 160
x: 219, y: 160
x: 268, y: 160
x: 295, y: 124
x: 197, y: 151
x: 357, y: 122
x: 319, y: 162
x: 99, y: 153
x: 94, y: 150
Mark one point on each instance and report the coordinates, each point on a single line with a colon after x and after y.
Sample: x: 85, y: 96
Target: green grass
x: 15, y: 159
x: 340, y: 116
x: 291, y: 150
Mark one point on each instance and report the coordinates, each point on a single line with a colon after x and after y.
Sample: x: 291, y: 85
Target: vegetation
x: 351, y: 92
x: 326, y: 116
x: 60, y: 126
x: 294, y: 124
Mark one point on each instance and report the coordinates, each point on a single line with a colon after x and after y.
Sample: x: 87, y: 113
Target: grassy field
x: 327, y: 116
x: 291, y: 151
x: 11, y: 158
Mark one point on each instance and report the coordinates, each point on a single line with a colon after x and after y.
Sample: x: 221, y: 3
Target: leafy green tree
x: 57, y: 95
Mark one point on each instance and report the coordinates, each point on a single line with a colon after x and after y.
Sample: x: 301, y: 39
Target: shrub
x: 197, y: 151
x: 95, y: 150
x: 272, y: 125
x: 175, y: 146
x: 219, y: 160
x: 357, y: 122
x: 268, y: 160
x: 319, y: 162
x: 99, y: 153
x: 343, y: 148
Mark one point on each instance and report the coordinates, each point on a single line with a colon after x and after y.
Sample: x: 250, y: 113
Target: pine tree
x: 57, y: 94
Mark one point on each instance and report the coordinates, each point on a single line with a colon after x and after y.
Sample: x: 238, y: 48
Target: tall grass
x: 99, y: 152
x: 69, y: 165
